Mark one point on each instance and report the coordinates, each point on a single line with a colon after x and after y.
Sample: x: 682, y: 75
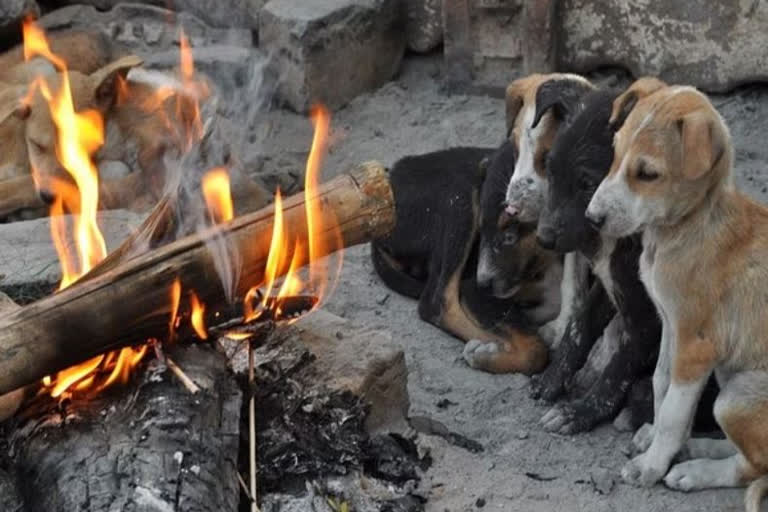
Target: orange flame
x: 78, y: 136
x: 175, y: 300
x: 286, y: 256
x: 217, y: 195
x: 198, y: 316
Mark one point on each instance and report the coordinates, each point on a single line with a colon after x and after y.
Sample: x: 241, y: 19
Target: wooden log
x: 131, y: 303
x: 151, y: 446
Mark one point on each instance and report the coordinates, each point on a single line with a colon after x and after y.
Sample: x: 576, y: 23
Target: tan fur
x: 521, y: 95
x: 626, y: 101
x: 705, y: 264
x: 520, y: 352
x: 83, y: 51
x: 136, y: 125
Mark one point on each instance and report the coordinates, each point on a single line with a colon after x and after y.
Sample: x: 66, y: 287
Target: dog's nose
x: 46, y: 196
x: 596, y: 221
x: 545, y: 237
x: 511, y: 210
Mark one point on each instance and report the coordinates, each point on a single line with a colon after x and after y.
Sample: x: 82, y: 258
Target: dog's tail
x: 755, y: 492
x: 391, y: 272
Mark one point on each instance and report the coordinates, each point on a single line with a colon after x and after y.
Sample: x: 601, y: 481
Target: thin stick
x: 244, y: 486
x: 188, y: 383
x: 252, y: 429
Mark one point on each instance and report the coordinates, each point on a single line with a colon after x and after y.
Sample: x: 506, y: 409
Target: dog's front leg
x: 573, y: 292
x: 691, y: 365
x: 661, y: 377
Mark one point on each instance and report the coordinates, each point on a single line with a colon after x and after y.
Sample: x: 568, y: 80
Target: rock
x: 12, y: 12
x: 215, y: 13
x: 712, y: 45
x: 331, y: 50
x: 144, y: 29
x: 364, y: 361
x: 424, y: 24
x: 27, y: 255
x: 228, y: 67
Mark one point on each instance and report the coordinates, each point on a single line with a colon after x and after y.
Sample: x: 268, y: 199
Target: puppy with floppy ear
x: 467, y: 269
x: 704, y: 251
x: 536, y: 106
x: 626, y: 101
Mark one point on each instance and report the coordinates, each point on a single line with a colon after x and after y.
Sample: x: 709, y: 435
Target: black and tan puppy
x: 443, y: 229
x: 580, y: 158
x: 613, y: 342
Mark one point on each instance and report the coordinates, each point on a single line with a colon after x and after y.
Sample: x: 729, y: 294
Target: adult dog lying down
x: 476, y: 274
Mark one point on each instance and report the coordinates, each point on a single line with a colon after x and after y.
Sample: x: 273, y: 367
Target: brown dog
x: 704, y: 265
x: 136, y: 130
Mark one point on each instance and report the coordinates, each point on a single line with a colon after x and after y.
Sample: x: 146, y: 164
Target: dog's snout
x: 597, y: 221
x: 512, y: 210
x: 46, y: 196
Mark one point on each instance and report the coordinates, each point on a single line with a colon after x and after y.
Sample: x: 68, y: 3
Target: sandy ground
x: 522, y: 468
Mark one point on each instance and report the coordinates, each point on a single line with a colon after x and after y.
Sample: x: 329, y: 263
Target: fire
x: 217, y: 195
x: 287, y: 257
x: 197, y: 316
x: 79, y: 136
x: 295, y: 265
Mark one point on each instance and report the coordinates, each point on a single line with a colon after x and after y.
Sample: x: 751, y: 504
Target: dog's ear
x: 562, y: 96
x: 513, y: 102
x: 705, y: 139
x: 627, y: 100
x: 104, y: 80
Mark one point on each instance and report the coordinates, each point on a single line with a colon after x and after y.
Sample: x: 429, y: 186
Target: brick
x: 330, y: 51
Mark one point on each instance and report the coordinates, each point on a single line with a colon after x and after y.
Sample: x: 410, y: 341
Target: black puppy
x: 600, y: 374
x: 442, y: 229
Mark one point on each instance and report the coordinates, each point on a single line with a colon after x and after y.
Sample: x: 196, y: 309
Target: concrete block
x: 330, y: 51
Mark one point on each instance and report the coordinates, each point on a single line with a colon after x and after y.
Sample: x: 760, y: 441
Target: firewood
x: 131, y: 303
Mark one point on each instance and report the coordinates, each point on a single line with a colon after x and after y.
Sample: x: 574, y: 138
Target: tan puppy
x: 705, y: 267
x: 136, y: 129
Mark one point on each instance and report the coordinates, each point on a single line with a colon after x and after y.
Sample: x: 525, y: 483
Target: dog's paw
x: 686, y: 476
x: 559, y: 419
x: 643, y: 438
x: 571, y: 418
x: 642, y: 471
x: 481, y: 355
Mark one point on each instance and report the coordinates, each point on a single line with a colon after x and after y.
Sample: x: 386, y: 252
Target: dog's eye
x: 644, y: 173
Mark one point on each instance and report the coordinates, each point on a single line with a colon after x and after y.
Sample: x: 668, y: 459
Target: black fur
x: 439, y: 218
x: 580, y: 158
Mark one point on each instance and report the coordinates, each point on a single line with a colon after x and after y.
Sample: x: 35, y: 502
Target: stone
x: 424, y: 24
x: 330, y: 51
x: 228, y: 67
x: 12, y: 12
x: 215, y: 13
x: 364, y: 361
x: 27, y: 254
x: 714, y: 46
x: 144, y: 29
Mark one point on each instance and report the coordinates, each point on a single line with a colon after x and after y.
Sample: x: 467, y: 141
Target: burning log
x: 131, y: 302
x: 154, y: 446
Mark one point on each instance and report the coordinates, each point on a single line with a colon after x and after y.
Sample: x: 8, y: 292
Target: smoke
x: 233, y: 122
